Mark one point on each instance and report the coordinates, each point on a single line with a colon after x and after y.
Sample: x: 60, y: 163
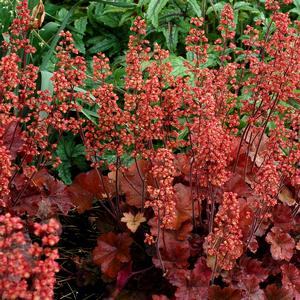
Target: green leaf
x: 80, y: 24
x: 78, y: 150
x: 178, y: 65
x: 171, y: 35
x: 107, y: 43
x: 241, y: 5
x: 126, y: 17
x: 217, y: 7
x: 183, y: 134
x: 118, y: 76
x: 154, y: 8
x: 109, y: 20
x: 196, y: 7
x: 64, y: 172
x: 116, y: 10
x: 297, y: 3
x: 67, y: 148
x: 48, y: 31
x: 62, y: 14
x: 46, y: 83
x: 127, y: 160
x: 117, y: 3
x: 295, y: 10
x: 70, y: 154
x: 109, y: 156
x: 78, y: 42
x: 80, y: 163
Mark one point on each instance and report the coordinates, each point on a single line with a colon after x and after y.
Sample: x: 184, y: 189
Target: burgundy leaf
x: 131, y: 182
x: 282, y: 217
x: 282, y: 244
x: 159, y: 297
x: 291, y: 279
x: 250, y: 286
x: 173, y: 249
x: 43, y: 196
x: 191, y: 284
x: 251, y: 267
x: 227, y: 293
x: 12, y: 138
x: 111, y: 252
x: 273, y: 292
x: 89, y: 186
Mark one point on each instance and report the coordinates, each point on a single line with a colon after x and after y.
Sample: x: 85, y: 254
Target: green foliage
x: 154, y: 9
x: 6, y: 16
x: 71, y: 155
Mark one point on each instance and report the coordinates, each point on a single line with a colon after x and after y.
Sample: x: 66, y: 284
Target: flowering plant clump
x: 197, y: 174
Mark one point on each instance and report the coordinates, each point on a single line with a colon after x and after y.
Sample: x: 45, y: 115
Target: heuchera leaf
x: 237, y: 184
x: 12, y: 138
x: 133, y: 221
x: 111, y: 252
x: 291, y: 279
x: 191, y: 284
x: 183, y: 204
x: 254, y: 267
x: 282, y: 244
x: 286, y: 196
x: 174, y: 252
x: 159, y: 297
x: 123, y: 276
x: 273, y: 292
x: 227, y: 293
x: 70, y: 154
x: 88, y: 186
x: 44, y: 196
x: 131, y: 183
x: 182, y: 163
x: 248, y: 278
x: 251, y: 289
x: 282, y: 217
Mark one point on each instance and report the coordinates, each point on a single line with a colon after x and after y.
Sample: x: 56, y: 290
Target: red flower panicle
x: 225, y: 244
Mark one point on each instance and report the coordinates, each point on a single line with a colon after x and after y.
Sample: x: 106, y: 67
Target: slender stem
x: 118, y: 185
x: 143, y: 183
x: 157, y: 243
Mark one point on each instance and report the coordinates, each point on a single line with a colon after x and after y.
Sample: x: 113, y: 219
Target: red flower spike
x: 27, y: 269
x: 162, y: 194
x: 225, y: 241
x: 111, y: 252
